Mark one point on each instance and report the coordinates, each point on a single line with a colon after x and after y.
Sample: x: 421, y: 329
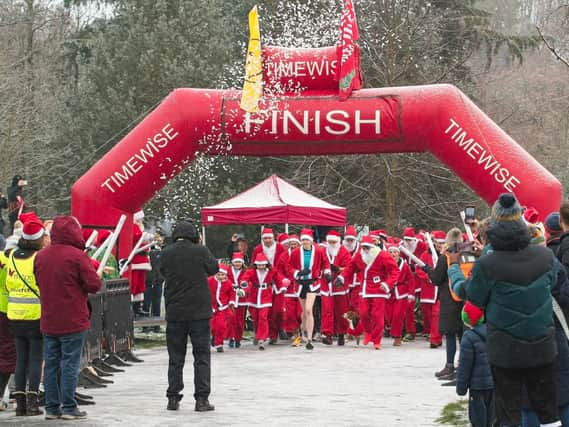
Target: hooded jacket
x: 65, y: 276
x: 185, y: 266
x: 474, y: 371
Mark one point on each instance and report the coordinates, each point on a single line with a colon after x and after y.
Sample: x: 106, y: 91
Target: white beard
x: 333, y: 249
x: 270, y: 253
x: 369, y: 256
x: 350, y: 246
x: 410, y: 245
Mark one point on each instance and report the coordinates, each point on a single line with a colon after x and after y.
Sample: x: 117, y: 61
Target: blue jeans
x: 62, y: 356
x: 529, y: 418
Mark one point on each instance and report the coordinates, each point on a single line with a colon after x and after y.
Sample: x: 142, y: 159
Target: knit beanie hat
x: 552, y: 226
x: 471, y: 315
x: 506, y: 208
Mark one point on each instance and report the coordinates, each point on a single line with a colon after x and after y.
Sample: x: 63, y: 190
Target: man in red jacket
x: 380, y: 274
x: 65, y: 276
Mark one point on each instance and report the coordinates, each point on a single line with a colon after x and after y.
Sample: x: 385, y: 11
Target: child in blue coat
x: 474, y: 372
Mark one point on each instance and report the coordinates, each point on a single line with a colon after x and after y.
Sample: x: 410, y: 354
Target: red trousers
x: 333, y: 309
x: 137, y: 282
x: 292, y: 315
x: 218, y: 325
x: 276, y: 317
x: 389, y: 311
x: 399, y: 308
x: 410, y: 327
x: 431, y: 313
x: 260, y: 317
x: 354, y: 298
x: 236, y: 323
x: 372, y: 312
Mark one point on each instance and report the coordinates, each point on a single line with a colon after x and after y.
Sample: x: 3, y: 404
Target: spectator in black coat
x: 561, y: 294
x: 238, y: 244
x: 450, y: 323
x: 185, y: 265
x: 474, y: 372
x: 553, y: 231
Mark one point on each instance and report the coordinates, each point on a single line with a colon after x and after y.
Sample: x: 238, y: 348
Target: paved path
x: 282, y: 386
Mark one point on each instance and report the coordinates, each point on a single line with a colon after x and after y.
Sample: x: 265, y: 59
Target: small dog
x: 356, y: 327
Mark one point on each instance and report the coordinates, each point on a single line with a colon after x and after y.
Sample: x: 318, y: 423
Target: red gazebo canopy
x: 274, y: 201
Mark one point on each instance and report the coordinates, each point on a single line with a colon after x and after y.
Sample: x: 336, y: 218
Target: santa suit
x: 140, y: 264
x: 418, y: 251
x: 399, y: 295
x: 292, y: 309
x: 236, y: 320
x: 354, y: 284
x: 318, y: 265
x: 430, y: 304
x: 222, y: 297
x: 381, y: 270
x: 335, y: 299
x: 276, y: 315
x: 260, y: 290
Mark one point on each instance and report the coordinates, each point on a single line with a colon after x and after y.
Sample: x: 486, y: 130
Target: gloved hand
x: 328, y: 277
x: 339, y: 282
x: 304, y: 272
x: 426, y: 268
x: 334, y: 268
x: 384, y: 286
x: 240, y: 293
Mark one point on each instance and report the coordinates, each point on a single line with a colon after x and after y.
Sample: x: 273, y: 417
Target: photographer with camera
x: 185, y: 265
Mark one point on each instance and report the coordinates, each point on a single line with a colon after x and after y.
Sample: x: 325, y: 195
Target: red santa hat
x: 33, y: 229
x: 397, y: 240
x: 350, y: 232
x: 438, y: 236
x: 374, y: 234
x: 367, y: 241
x: 267, y: 232
x: 294, y: 238
x: 86, y: 233
x: 333, y: 236
x: 28, y: 216
x: 307, y: 234
x: 237, y: 257
x: 394, y: 247
x: 420, y: 236
x: 283, y: 238
x: 409, y: 233
x: 261, y: 259
x: 138, y: 215
x: 531, y: 215
x: 222, y: 268
x: 382, y: 233
x: 102, y: 236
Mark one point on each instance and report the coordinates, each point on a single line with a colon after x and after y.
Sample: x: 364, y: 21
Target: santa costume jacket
x: 318, y: 265
x: 381, y: 270
x: 340, y: 261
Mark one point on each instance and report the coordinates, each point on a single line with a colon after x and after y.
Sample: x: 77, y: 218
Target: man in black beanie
x: 513, y: 284
x: 185, y: 265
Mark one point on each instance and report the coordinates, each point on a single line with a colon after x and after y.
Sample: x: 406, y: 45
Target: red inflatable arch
x: 438, y: 119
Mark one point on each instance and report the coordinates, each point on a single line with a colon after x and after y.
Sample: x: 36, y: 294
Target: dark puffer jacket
x: 474, y: 371
x: 514, y: 285
x: 185, y: 266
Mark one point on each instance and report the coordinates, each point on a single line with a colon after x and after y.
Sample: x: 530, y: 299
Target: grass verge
x: 455, y: 414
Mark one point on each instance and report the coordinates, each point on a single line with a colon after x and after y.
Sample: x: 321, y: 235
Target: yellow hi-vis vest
x: 23, y: 304
x: 3, y: 290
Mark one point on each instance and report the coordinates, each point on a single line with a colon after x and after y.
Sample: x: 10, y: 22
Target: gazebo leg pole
x: 286, y: 228
x: 203, y: 235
